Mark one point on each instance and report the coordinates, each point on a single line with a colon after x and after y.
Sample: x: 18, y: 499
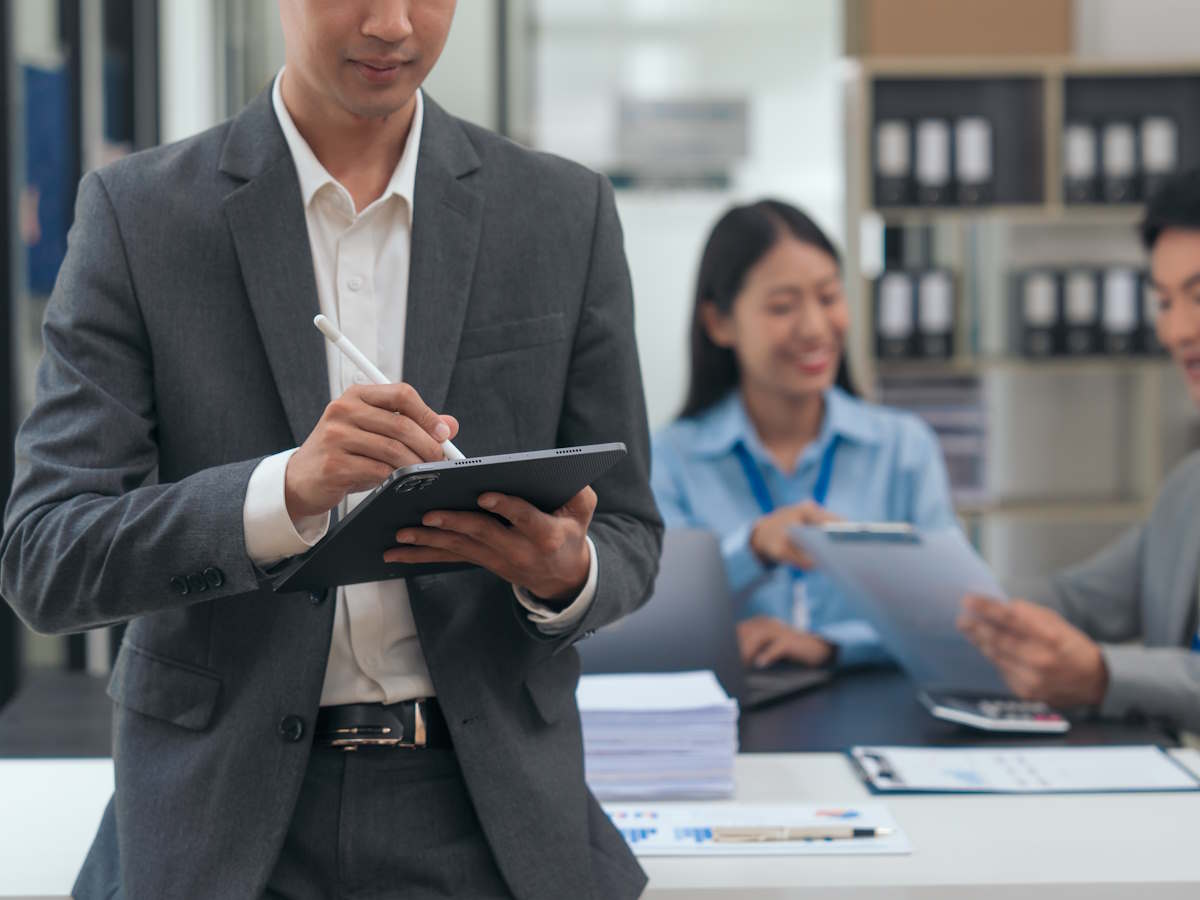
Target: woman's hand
x: 765, y: 640
x: 771, y: 542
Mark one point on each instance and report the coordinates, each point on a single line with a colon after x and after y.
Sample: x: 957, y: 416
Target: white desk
x: 1066, y: 847
x: 1094, y: 846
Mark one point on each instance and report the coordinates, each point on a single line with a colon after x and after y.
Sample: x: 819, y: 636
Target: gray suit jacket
x: 1143, y: 588
x: 179, y: 352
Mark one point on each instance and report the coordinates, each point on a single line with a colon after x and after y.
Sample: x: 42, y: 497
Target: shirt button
x: 214, y: 577
x: 180, y: 585
x: 291, y: 728
x: 316, y: 598
x: 354, y: 282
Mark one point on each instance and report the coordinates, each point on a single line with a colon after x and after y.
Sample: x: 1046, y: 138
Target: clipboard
x: 909, y: 584
x: 352, y: 551
x: 1021, y: 770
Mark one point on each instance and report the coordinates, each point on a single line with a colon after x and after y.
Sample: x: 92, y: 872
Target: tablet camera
x: 417, y: 482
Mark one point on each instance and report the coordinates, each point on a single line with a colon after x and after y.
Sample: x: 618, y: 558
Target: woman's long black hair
x: 741, y: 237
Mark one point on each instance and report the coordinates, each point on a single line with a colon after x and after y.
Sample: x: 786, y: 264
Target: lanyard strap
x: 758, y: 484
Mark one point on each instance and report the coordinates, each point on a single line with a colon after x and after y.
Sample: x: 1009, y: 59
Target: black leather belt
x: 408, y: 724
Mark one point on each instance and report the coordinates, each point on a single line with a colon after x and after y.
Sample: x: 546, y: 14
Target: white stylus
x: 352, y: 353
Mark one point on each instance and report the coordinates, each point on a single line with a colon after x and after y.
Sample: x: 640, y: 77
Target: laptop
x: 688, y: 624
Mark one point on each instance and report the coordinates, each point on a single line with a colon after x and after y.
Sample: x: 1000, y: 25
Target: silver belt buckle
x: 350, y: 739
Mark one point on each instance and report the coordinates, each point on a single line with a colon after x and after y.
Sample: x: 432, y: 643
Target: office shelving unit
x: 1030, y: 224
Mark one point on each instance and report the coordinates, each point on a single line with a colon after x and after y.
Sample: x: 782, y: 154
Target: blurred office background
x: 980, y: 163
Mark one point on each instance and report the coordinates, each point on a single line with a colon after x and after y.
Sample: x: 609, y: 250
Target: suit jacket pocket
x: 552, y: 682
x: 166, y: 689
x: 518, y: 334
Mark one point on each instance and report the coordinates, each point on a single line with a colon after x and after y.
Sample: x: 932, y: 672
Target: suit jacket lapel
x: 266, y: 218
x: 447, y: 218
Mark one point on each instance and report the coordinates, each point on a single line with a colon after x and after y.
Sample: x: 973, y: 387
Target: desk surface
x: 880, y: 706
x: 1100, y: 845
x: 58, y: 714
x: 1094, y: 846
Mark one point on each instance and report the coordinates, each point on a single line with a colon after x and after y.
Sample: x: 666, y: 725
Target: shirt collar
x: 313, y: 176
x: 726, y: 425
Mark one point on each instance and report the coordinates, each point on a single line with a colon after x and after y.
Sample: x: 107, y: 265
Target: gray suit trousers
x: 386, y: 824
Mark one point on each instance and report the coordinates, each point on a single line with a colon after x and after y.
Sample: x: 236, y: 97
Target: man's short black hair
x: 1176, y: 204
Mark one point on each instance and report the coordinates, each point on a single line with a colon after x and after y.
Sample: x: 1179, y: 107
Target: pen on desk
x: 749, y: 835
x: 352, y: 353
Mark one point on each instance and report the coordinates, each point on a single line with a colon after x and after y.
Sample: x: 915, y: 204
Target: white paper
x: 1024, y: 770
x: 684, y: 829
x: 659, y: 736
x: 912, y: 593
x: 658, y: 692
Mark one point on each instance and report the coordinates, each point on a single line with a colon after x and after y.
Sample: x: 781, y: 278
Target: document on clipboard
x: 1021, y: 770
x: 909, y: 584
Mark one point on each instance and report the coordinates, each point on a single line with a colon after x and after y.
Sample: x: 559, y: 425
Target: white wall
x: 780, y: 55
x: 189, y: 85
x: 1138, y: 30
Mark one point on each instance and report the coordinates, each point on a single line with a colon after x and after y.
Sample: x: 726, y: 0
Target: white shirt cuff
x: 551, y: 621
x: 271, y: 535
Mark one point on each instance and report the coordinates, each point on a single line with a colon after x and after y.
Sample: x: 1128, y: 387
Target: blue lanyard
x: 758, y: 484
x: 1196, y: 642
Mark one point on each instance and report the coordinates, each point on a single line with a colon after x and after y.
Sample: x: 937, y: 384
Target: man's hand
x: 1040, y: 655
x: 545, y: 553
x: 360, y: 439
x: 770, y: 540
x: 765, y: 640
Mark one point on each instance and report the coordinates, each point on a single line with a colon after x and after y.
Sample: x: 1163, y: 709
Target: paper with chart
x: 685, y: 829
x: 1043, y: 770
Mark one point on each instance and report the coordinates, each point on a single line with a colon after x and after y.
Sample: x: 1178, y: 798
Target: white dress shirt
x: 361, y: 263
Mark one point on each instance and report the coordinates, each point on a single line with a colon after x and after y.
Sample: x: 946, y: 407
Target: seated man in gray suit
x: 1071, y: 646
x: 192, y: 428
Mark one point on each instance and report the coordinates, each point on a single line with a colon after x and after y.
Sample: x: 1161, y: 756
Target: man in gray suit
x: 1071, y: 646
x: 192, y: 429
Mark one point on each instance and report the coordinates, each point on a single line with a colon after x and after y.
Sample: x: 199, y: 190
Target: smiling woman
x: 773, y: 435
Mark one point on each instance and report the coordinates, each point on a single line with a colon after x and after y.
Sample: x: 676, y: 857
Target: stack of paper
x: 662, y: 736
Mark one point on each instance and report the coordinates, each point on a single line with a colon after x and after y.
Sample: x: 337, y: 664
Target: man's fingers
x: 458, y: 545
x: 479, y: 527
x: 522, y: 515
x: 398, y: 428
x: 581, y: 507
x: 403, y: 398
x: 418, y: 555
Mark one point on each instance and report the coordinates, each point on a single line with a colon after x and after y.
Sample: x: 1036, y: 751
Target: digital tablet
x: 352, y: 551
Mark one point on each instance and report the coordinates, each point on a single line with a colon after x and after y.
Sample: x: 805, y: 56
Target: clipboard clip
x: 888, y: 532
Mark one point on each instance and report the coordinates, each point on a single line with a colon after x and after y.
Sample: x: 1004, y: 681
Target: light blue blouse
x: 887, y: 467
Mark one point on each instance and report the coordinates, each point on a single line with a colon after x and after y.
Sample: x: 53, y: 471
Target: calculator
x: 996, y: 714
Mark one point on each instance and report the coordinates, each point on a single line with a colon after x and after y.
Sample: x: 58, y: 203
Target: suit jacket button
x: 179, y: 583
x: 214, y: 577
x: 316, y: 598
x: 196, y: 583
x: 291, y: 728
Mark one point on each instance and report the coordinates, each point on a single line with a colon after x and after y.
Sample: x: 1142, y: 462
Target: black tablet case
x: 352, y: 551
